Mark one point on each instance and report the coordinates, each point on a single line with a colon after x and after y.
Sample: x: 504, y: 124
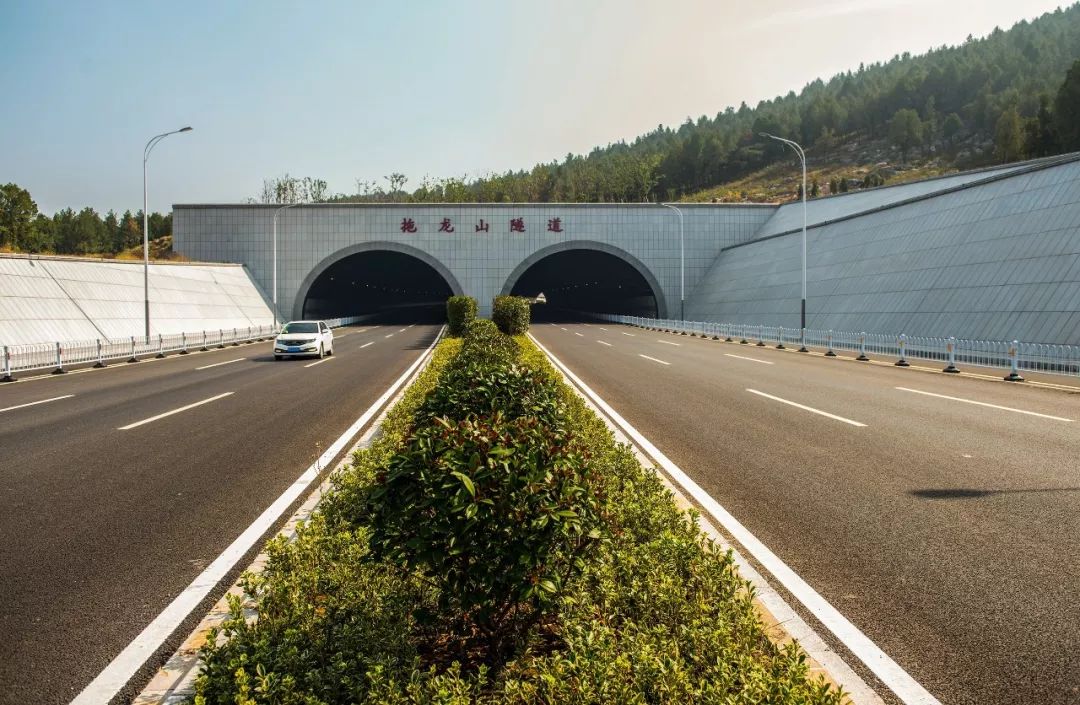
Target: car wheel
x: 322, y: 352
x: 330, y: 351
x: 277, y: 357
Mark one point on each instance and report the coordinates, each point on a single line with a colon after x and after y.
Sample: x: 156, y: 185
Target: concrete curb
x: 174, y: 682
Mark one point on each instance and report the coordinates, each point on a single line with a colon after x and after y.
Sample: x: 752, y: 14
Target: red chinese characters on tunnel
x: 408, y: 225
x: 517, y: 225
x: 446, y: 225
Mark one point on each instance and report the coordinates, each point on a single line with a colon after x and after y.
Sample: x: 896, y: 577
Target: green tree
x: 953, y: 126
x: 1067, y: 110
x: 1009, y: 137
x: 1042, y: 138
x: 905, y: 131
x: 17, y: 214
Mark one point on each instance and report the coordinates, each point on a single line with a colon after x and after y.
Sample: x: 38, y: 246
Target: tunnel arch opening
x: 390, y: 284
x: 577, y: 279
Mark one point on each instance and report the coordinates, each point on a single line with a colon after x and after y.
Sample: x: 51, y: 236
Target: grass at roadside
x: 654, y: 615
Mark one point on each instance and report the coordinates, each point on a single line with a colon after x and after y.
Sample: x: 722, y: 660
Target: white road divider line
x: 367, y: 344
x: 751, y: 359
x: 629, y: 334
x: 391, y: 335
x: 603, y: 343
x: 891, y: 673
x: 403, y: 330
x: 174, y: 411
x: 578, y: 334
x: 319, y: 362
x: 121, y: 669
x: 668, y: 342
x: 982, y: 403
x: 219, y: 364
x: 562, y: 328
x: 654, y: 359
x: 601, y: 328
x: 35, y: 403
x: 811, y: 409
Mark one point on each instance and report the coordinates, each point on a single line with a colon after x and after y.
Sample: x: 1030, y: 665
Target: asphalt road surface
x: 947, y: 531
x: 100, y: 528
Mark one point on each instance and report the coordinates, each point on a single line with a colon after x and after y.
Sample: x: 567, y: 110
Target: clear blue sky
x: 348, y: 90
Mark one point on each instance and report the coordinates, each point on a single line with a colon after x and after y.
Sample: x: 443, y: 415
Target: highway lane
x: 102, y: 527
x: 947, y: 531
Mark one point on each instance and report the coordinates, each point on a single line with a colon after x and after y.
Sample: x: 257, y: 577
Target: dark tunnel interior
x: 576, y: 281
x: 397, y: 286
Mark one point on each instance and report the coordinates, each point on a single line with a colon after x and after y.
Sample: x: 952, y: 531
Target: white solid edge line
x: 367, y: 344
x: 811, y: 409
x: 174, y: 411
x: 751, y: 359
x: 35, y: 403
x: 653, y: 359
x: 891, y: 674
x: 219, y: 364
x: 319, y: 362
x: 603, y: 343
x: 668, y: 342
x: 983, y: 403
x: 121, y: 669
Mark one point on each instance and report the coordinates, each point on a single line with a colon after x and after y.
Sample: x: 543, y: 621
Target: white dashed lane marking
x: 219, y: 364
x: 811, y: 409
x: 603, y: 343
x: 751, y: 359
x: 174, y: 411
x: 35, y: 403
x: 983, y: 403
x: 653, y: 359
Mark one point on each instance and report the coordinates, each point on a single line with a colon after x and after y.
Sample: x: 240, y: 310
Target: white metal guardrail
x: 1013, y: 355
x: 61, y: 354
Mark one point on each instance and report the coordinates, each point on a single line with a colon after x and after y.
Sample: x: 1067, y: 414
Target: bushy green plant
x: 483, y: 390
x: 460, y: 312
x: 511, y: 314
x: 485, y: 345
x: 495, y: 512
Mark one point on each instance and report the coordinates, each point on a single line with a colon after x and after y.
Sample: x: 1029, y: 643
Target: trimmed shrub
x: 460, y: 312
x: 511, y: 314
x: 496, y: 513
x: 485, y: 345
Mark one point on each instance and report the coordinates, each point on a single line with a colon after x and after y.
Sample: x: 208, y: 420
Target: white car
x: 304, y: 338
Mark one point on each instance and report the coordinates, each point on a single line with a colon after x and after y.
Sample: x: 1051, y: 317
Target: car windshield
x: 300, y: 327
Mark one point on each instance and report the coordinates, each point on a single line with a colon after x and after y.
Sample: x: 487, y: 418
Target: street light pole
x: 682, y: 263
x: 276, y: 214
x: 146, y: 226
x: 802, y: 157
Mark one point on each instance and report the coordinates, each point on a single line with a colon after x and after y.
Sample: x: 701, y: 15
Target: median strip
x: 811, y: 409
x: 35, y: 403
x: 219, y: 364
x: 654, y: 359
x: 983, y: 403
x: 174, y: 411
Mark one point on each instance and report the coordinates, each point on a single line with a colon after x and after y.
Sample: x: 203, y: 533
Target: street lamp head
x: 185, y: 129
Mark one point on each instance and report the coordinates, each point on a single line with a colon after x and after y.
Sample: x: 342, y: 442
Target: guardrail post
x: 1014, y: 363
x: 780, y: 338
x: 7, y: 366
x: 100, y: 358
x: 133, y: 358
x: 221, y: 338
x: 761, y: 336
x: 235, y: 338
x: 862, y: 348
x: 830, y: 352
x: 249, y: 338
x: 742, y: 336
x: 802, y: 340
x: 183, y: 344
x: 160, y: 347
x: 727, y: 338
x: 203, y: 348
x: 901, y: 342
x: 950, y: 349
x: 59, y: 360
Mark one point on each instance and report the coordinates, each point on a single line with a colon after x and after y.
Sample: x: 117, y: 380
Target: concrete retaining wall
x: 45, y: 299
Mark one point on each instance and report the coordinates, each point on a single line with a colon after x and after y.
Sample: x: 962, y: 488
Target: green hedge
x: 651, y: 613
x: 460, y: 312
x: 511, y: 314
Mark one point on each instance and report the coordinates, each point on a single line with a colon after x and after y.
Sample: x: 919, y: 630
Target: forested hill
x: 995, y: 99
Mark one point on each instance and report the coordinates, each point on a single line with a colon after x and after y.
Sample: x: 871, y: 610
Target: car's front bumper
x: 309, y: 349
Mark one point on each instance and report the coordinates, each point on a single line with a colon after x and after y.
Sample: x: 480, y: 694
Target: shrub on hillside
x: 511, y: 314
x: 460, y: 312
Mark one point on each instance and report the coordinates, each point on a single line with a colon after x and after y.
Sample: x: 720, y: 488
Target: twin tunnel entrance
x: 400, y: 286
